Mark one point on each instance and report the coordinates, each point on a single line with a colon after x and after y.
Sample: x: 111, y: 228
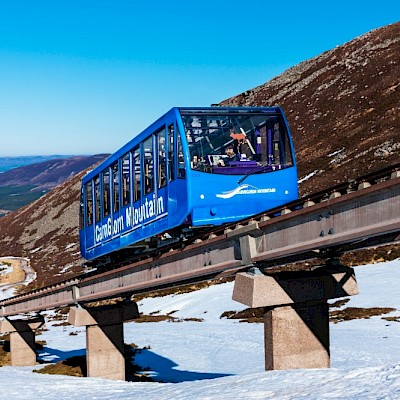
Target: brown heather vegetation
x: 336, y: 313
x: 5, y: 355
x: 350, y: 313
x: 345, y: 101
x: 343, y: 108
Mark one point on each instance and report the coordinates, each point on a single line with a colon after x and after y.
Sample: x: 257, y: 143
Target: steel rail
x: 301, y: 229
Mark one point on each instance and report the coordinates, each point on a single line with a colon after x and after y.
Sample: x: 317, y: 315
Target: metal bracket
x: 75, y: 294
x: 248, y: 249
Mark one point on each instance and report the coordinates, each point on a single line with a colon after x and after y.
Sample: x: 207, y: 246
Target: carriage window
x: 89, y: 204
x: 106, y: 193
x: 82, y: 223
x: 286, y: 151
x: 171, y: 158
x: 148, y: 165
x: 276, y: 143
x: 137, y: 169
x: 126, y: 179
x: 115, y: 186
x: 97, y: 197
x: 229, y: 143
x: 181, y: 159
x: 162, y: 159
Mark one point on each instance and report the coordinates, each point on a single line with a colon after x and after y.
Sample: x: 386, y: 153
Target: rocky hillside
x: 343, y: 110
x: 46, y: 232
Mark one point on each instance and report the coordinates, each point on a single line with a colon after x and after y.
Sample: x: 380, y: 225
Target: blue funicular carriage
x: 192, y: 168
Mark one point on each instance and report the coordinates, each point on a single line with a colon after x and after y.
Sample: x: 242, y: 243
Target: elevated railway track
x: 352, y: 215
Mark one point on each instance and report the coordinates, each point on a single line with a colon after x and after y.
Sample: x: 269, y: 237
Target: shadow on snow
x: 162, y: 369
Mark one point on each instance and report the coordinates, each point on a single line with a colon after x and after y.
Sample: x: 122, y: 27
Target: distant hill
x: 343, y: 109
x: 7, y: 163
x: 20, y: 186
x: 50, y: 173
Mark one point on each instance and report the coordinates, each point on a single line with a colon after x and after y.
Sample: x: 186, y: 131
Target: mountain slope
x: 343, y: 108
x: 46, y: 232
x: 50, y: 173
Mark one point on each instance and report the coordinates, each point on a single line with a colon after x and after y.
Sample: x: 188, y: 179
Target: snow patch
x: 308, y: 176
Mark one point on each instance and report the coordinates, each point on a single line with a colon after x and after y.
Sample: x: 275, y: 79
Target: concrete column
x: 104, y: 338
x: 296, y: 319
x: 297, y: 337
x: 22, y: 339
x: 105, y: 351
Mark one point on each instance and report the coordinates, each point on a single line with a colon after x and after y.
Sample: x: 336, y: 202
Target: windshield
x: 236, y: 143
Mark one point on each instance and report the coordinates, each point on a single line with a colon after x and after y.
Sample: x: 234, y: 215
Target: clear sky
x: 85, y: 76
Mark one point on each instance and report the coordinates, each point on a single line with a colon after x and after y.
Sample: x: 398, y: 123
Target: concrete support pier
x: 104, y: 337
x: 296, y: 318
x: 22, y: 339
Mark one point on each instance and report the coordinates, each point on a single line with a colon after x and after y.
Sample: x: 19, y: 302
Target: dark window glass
x: 81, y: 210
x: 241, y: 141
x: 162, y: 159
x: 89, y: 203
x: 137, y: 169
x: 171, y: 153
x: 106, y: 193
x: 148, y: 165
x: 126, y: 179
x: 97, y: 197
x: 115, y: 186
x: 181, y: 158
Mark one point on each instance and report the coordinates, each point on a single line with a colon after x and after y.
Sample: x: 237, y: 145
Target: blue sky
x: 84, y: 77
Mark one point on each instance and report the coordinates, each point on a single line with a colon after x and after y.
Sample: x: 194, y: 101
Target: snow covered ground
x: 224, y: 359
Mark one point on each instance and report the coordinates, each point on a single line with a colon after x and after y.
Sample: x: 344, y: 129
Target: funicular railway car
x: 192, y: 168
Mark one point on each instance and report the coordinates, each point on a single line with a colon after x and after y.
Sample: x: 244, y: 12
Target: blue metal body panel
x: 222, y: 199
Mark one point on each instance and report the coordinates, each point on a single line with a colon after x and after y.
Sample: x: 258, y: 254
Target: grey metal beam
x: 371, y: 212
x: 367, y: 213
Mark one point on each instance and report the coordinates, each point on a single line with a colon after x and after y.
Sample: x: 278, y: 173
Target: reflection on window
x: 82, y: 222
x: 237, y: 140
x: 148, y: 164
x: 89, y: 204
x: 106, y: 193
x: 126, y: 179
x: 162, y: 159
x: 137, y: 169
x: 171, y: 152
x: 181, y: 158
x: 115, y: 186
x: 97, y: 197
